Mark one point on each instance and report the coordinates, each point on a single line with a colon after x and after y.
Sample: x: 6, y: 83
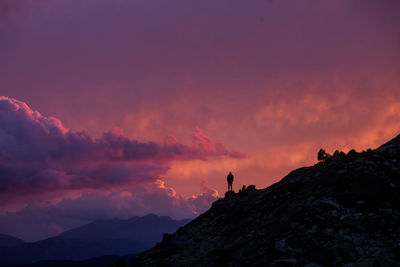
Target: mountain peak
x: 343, y: 211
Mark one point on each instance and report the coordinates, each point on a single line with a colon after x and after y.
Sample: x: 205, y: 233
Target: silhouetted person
x: 229, y: 178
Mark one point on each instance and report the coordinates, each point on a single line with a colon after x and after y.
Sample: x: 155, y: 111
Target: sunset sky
x: 122, y: 108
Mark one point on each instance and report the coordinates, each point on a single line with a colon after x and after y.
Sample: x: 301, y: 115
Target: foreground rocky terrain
x: 345, y: 211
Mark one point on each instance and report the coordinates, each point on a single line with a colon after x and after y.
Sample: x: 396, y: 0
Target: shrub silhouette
x: 338, y: 154
x: 323, y: 156
x: 352, y: 153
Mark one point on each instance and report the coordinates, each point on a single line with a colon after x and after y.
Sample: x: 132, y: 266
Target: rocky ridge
x: 345, y: 212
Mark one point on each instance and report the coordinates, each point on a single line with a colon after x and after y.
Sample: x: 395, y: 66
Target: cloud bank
x: 38, y: 154
x: 35, y: 221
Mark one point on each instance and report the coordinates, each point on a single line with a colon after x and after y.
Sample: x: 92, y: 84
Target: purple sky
x: 121, y: 108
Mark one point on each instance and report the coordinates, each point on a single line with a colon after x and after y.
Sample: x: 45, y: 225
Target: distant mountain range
x: 99, y: 238
x: 9, y: 241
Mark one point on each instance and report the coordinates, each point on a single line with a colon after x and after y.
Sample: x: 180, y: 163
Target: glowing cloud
x: 38, y: 154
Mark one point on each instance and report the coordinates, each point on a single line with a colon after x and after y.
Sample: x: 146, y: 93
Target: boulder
x: 251, y: 188
x: 229, y: 194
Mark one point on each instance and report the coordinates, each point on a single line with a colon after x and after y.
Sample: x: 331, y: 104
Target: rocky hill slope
x: 343, y: 211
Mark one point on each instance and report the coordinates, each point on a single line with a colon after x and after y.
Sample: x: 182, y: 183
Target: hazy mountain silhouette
x: 342, y: 211
x: 147, y: 230
x: 108, y: 237
x: 9, y: 241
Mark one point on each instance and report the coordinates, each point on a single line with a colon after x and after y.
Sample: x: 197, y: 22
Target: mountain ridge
x: 100, y: 230
x: 99, y: 238
x: 342, y: 211
x: 10, y: 241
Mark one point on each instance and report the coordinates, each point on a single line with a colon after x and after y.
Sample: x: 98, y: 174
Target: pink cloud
x: 38, y: 154
x: 35, y: 222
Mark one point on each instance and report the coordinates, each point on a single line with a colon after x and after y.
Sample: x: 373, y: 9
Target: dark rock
x: 166, y: 238
x: 229, y: 194
x: 251, y: 188
x: 243, y: 192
